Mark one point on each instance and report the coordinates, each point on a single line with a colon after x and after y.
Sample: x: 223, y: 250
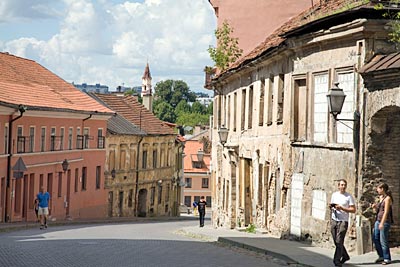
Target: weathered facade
x: 285, y: 152
x: 143, y: 158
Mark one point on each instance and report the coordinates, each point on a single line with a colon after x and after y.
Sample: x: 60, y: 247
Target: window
x: 98, y: 176
x: 270, y: 99
x: 188, y: 182
x: 122, y: 157
x: 59, y: 193
x: 41, y: 178
x: 159, y: 194
x: 261, y: 104
x: 76, y: 180
x: 49, y: 183
x: 100, y: 139
x: 5, y: 139
x: 167, y: 193
x: 208, y: 200
x: 234, y: 111
x: 204, y: 182
x: 228, y: 115
x: 20, y: 140
x: 299, y: 112
x: 154, y: 157
x: 62, y: 132
x: 86, y: 137
x: 243, y: 109
x: 130, y: 194
x: 133, y: 157
x: 144, y: 160
x: 345, y: 133
x: 43, y: 139
x: 152, y: 195
x: 320, y: 108
x: 84, y: 178
x: 31, y: 139
x: 188, y: 201
x: 250, y: 109
x: 53, y: 139
x: 196, y: 199
x: 70, y: 134
x: 281, y: 94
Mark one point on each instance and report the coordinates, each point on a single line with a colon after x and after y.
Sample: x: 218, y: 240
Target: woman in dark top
x: 384, y: 218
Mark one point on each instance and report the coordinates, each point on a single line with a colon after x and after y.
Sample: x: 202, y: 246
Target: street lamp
x: 200, y: 155
x: 335, y: 99
x: 65, y: 165
x: 223, y: 134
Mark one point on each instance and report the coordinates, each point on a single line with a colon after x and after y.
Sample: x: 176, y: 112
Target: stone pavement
x: 292, y: 252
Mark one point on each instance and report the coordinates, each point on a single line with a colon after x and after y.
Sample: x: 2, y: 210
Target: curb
x: 280, y: 256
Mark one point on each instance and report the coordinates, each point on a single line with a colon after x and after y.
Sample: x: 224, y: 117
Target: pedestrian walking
x: 342, y: 203
x: 36, y: 207
x: 44, y: 207
x: 201, y: 206
x: 384, y: 219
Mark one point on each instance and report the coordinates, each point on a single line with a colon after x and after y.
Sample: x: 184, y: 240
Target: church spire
x: 146, y: 88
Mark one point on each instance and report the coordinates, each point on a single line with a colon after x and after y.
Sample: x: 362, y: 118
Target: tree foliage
x: 171, y: 103
x: 227, y: 50
x: 394, y: 19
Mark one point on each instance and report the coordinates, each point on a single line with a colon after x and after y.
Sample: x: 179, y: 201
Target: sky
x: 110, y: 41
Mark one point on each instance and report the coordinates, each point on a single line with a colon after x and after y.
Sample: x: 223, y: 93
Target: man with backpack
x: 201, y: 206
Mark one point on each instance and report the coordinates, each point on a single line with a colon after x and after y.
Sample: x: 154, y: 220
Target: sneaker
x: 379, y: 260
x: 385, y: 262
x: 45, y: 226
x: 41, y: 227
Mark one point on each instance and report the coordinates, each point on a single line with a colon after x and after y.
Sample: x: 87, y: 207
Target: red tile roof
x: 136, y: 113
x: 191, y: 148
x: 23, y: 81
x: 320, y: 10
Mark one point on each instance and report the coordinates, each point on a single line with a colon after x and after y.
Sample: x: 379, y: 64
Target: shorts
x: 43, y: 211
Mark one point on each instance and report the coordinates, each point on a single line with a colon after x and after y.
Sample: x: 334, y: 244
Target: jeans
x: 338, y: 230
x: 202, y: 214
x: 381, y: 240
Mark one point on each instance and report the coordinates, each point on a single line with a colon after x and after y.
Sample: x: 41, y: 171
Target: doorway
x: 142, y: 200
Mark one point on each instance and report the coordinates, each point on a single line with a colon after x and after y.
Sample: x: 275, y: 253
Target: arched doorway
x: 382, y: 162
x: 142, y: 203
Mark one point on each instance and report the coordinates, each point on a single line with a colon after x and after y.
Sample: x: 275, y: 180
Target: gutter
x: 7, y: 217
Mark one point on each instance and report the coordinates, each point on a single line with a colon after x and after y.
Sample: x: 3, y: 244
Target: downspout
x: 21, y: 110
x: 137, y: 166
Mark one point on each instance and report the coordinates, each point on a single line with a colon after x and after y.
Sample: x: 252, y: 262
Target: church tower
x: 146, y: 89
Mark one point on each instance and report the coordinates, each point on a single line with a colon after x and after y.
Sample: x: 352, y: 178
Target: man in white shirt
x: 342, y: 203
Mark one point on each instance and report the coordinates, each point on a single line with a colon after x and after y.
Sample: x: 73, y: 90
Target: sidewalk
x: 292, y: 252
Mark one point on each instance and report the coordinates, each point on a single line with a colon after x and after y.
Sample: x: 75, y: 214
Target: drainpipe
x: 7, y: 217
x: 137, y: 177
x: 137, y: 166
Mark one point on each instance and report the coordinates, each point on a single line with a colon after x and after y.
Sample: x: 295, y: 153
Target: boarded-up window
x: 261, y: 103
x: 250, y: 109
x: 320, y: 108
x: 345, y: 133
x: 280, y: 97
x: 319, y: 204
x: 300, y: 110
x: 243, y: 109
x: 270, y: 98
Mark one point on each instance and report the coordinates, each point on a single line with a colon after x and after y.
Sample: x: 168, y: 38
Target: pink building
x: 197, y: 171
x: 254, y: 21
x: 58, y: 133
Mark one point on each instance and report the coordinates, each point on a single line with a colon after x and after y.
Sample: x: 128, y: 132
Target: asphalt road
x: 122, y: 244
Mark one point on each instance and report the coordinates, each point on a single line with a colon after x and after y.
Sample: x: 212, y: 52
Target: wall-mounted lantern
x: 200, y: 155
x: 113, y: 173
x: 223, y: 134
x: 65, y: 165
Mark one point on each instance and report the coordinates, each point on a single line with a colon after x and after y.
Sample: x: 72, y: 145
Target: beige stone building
x: 284, y: 152
x: 144, y: 158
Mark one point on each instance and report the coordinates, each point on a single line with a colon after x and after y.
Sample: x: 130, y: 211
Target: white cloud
x: 102, y: 42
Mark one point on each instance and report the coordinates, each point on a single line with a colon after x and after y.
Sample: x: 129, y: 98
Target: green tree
x: 198, y: 108
x: 393, y: 15
x: 173, y: 91
x: 165, y: 112
x: 210, y: 109
x: 192, y: 119
x: 227, y: 50
x: 182, y: 107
